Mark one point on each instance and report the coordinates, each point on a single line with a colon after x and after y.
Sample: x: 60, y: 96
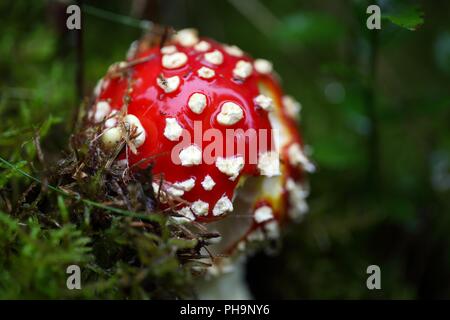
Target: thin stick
x: 118, y: 18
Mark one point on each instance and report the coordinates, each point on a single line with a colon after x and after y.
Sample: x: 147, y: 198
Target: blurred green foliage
x: 410, y: 18
x: 375, y: 113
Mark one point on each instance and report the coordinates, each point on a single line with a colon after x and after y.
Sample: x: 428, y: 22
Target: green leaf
x: 63, y: 209
x: 410, y: 18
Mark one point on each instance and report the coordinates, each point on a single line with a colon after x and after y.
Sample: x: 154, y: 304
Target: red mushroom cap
x: 199, y: 88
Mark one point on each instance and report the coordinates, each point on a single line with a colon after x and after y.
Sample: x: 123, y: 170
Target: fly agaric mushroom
x: 191, y: 87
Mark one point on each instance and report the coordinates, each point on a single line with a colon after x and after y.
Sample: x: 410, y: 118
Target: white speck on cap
x: 174, y: 60
x: 241, y: 245
x: 234, y: 51
x: 214, y: 57
x: 263, y: 66
x: 269, y: 164
x: 179, y: 220
x: 111, y: 120
x: 101, y: 85
x: 168, y: 84
x: 132, y: 121
x: 208, y: 183
x: 187, y: 37
x: 230, y: 113
x: 272, y: 229
x: 155, y: 187
x: 178, y: 188
x: 197, y: 102
x: 242, y: 70
x: 175, y: 192
x: 117, y: 66
x: 202, y: 46
x: 132, y: 50
x: 191, y: 156
x: 231, y: 166
x: 98, y: 87
x: 206, y: 73
x: 200, y: 207
x: 263, y: 213
x: 102, y: 109
x: 186, y: 212
x: 112, y: 136
x: 298, y: 158
x: 173, y: 130
x: 291, y: 106
x: 185, y: 185
x: 222, y: 206
x: 297, y: 196
x: 157, y: 191
x: 168, y: 49
x: 264, y: 102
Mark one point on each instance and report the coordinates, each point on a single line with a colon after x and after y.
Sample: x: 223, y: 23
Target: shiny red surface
x: 152, y: 106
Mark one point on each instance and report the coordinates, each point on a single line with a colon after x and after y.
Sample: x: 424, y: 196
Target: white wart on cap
x: 174, y: 60
x: 297, y: 196
x: 206, y: 73
x: 187, y: 37
x: 222, y: 206
x: 264, y: 102
x: 272, y: 229
x: 291, y: 106
x: 269, y: 164
x: 242, y: 70
x: 173, y: 130
x: 178, y: 189
x: 112, y: 119
x: 202, y: 46
x: 186, y: 212
x: 132, y: 50
x: 234, y: 51
x: 230, y: 166
x: 185, y: 185
x: 263, y: 66
x: 102, y: 109
x: 133, y: 123
x: 200, y: 207
x: 214, y: 57
x: 197, y: 102
x: 298, y: 158
x: 168, y: 49
x: 263, y: 213
x: 191, y: 156
x: 230, y: 113
x: 168, y: 84
x: 208, y: 183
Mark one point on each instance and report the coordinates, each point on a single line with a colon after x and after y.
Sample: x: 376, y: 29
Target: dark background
x: 375, y: 113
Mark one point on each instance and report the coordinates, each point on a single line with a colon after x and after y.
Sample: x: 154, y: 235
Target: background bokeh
x: 376, y: 114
